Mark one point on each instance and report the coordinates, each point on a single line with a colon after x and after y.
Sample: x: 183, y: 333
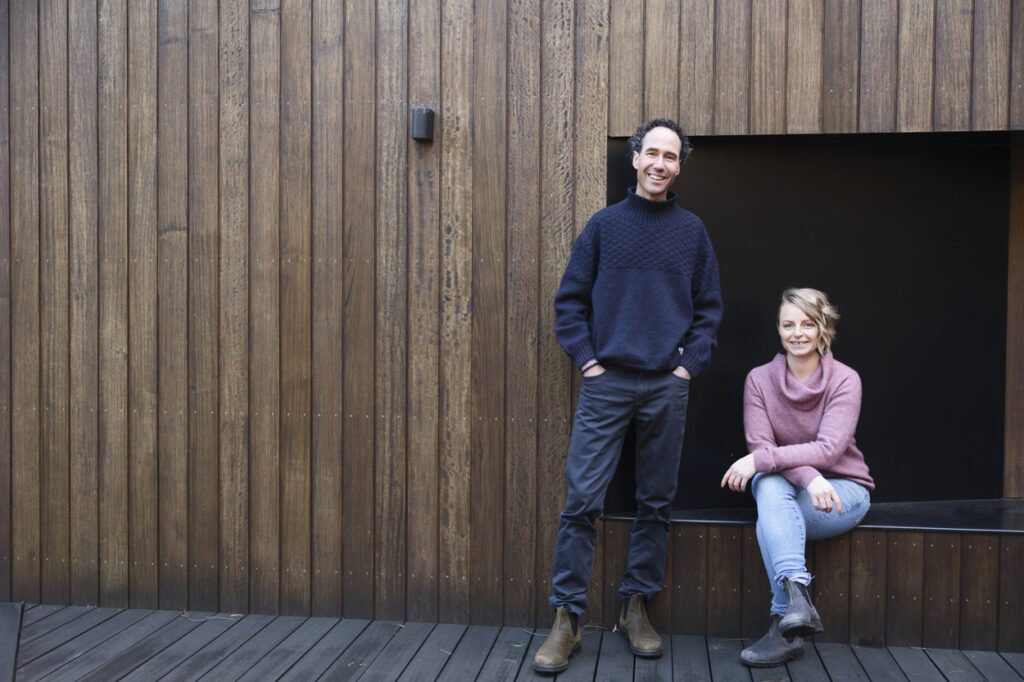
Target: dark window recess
x: 908, y: 236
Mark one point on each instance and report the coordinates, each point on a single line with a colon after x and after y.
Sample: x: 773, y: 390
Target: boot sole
x: 774, y: 664
x: 802, y: 629
x: 555, y: 669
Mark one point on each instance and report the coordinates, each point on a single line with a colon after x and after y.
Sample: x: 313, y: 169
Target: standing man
x: 637, y: 311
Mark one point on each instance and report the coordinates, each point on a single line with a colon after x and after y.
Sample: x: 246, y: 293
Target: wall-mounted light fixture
x: 422, y: 124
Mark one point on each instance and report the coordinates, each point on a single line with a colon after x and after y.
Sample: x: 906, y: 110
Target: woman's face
x: 798, y: 332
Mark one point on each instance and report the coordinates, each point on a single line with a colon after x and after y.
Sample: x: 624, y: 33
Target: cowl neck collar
x: 802, y: 395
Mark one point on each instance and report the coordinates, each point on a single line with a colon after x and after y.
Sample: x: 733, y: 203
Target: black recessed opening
x: 908, y: 235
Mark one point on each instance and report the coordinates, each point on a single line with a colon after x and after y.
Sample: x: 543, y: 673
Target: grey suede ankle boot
x: 801, y: 619
x: 773, y: 649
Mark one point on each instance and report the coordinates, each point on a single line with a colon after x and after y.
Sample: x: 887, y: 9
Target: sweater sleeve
x: 706, y: 293
x: 835, y: 434
x: 573, y: 302
x: 760, y: 435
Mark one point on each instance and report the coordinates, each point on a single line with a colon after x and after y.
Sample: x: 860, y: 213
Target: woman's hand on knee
x: 739, y: 474
x: 823, y: 495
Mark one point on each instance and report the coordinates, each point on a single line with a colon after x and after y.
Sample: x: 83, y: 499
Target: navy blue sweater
x: 641, y: 289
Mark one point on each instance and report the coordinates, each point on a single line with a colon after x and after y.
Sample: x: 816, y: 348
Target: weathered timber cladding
x: 261, y: 351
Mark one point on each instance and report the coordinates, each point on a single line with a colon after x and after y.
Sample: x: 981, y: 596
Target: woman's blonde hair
x: 815, y: 305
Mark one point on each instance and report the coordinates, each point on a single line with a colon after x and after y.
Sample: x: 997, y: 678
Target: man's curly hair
x: 636, y: 142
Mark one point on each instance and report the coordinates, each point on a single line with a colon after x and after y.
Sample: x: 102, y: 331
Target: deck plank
x: 526, y: 671
x: 506, y: 655
x: 469, y: 656
x: 29, y: 651
x: 915, y: 663
x: 318, y: 659
x: 128, y: 660
x: 724, y: 655
x: 173, y: 656
x: 954, y: 665
x: 991, y: 665
x: 879, y: 664
x: 360, y: 654
x: 654, y: 669
x: 434, y: 654
x: 616, y: 660
x: 10, y: 624
x: 291, y: 649
x: 82, y: 643
x: 52, y: 622
x: 840, y: 662
x: 238, y: 662
x: 196, y: 665
x: 395, y: 657
x: 690, y: 658
x: 1016, y: 661
x: 113, y: 647
x: 38, y: 612
x: 807, y: 668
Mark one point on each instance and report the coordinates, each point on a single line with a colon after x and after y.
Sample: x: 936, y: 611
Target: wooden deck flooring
x: 79, y: 643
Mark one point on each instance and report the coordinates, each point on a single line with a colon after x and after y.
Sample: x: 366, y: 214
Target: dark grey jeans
x: 607, y: 405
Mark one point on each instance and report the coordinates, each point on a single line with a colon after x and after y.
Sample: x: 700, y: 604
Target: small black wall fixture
x: 422, y: 124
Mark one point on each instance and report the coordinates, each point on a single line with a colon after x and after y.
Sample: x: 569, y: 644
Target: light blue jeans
x: 787, y: 519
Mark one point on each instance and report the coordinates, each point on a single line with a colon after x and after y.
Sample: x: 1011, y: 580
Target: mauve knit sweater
x: 801, y: 430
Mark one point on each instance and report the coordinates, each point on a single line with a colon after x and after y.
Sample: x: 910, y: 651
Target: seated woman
x: 807, y: 475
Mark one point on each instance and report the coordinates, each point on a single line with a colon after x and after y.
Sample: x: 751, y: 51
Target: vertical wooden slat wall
x: 262, y: 351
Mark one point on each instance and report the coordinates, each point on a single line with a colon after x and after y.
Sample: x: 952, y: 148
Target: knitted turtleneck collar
x: 638, y: 203
x: 802, y: 395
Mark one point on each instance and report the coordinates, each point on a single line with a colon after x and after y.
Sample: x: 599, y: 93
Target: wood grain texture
x: 626, y: 66
x: 203, y: 306
x: 832, y: 587
x: 1013, y: 466
x: 690, y: 570
x: 953, y: 43
x: 53, y: 337
x: 591, y: 169
x: 756, y: 591
x: 1011, y: 596
x: 768, y: 67
x: 916, y: 49
x: 523, y: 311
x: 804, y: 56
x: 172, y: 301
x: 905, y: 587
x: 233, y: 330
x: 264, y: 304
x: 558, y: 227
x: 661, y: 59
x: 328, y: 299
x: 725, y: 561
x: 732, y: 68
x: 990, y: 103
x: 841, y: 47
x: 424, y: 322
x: 296, y: 304
x: 5, y: 303
x: 696, y: 67
x: 942, y: 580
x: 83, y: 346
x: 979, y: 593
x: 142, y: 305
x: 358, y: 340
x: 391, y: 307
x: 868, y: 587
x: 113, y: 320
x: 1016, y: 93
x: 878, y: 65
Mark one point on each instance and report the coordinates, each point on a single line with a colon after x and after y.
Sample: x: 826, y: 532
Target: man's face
x: 657, y: 163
